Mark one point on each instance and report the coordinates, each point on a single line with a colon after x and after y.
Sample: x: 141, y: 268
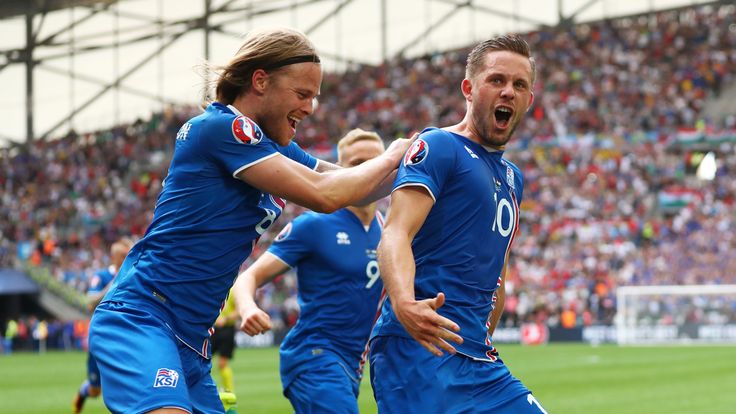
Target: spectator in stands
x: 599, y: 148
x: 11, y: 331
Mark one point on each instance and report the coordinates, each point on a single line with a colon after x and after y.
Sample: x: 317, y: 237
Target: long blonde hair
x: 270, y: 49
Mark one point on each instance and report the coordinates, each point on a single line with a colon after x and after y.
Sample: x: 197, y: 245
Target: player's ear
x: 259, y: 81
x: 531, y: 102
x: 467, y: 87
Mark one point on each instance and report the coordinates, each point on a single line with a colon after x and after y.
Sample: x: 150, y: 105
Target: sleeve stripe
x: 236, y: 172
x: 417, y: 185
x: 279, y: 259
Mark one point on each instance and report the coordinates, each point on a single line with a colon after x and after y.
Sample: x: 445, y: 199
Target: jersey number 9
x: 373, y: 273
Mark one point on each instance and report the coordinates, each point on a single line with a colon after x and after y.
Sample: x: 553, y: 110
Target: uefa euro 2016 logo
x: 245, y: 131
x: 416, y: 153
x: 166, y: 377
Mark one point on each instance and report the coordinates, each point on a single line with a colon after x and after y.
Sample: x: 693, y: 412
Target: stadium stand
x: 609, y: 153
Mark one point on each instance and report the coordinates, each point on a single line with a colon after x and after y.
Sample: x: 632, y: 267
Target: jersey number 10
x: 502, y: 206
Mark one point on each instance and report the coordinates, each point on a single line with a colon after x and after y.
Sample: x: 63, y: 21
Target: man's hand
x: 255, y: 321
x: 398, y: 148
x: 429, y: 328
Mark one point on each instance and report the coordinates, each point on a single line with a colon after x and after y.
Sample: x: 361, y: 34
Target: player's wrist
x: 403, y: 302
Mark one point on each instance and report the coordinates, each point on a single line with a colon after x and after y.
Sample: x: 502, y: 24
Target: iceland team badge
x: 245, y: 131
x: 166, y: 377
x: 510, y: 176
x: 416, y: 153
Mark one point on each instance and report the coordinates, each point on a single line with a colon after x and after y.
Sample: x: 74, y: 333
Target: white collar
x: 235, y: 110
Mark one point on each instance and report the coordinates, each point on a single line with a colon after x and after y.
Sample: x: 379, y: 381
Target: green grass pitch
x: 566, y: 379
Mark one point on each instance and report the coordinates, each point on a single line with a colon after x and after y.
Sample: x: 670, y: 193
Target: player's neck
x: 365, y: 213
x: 245, y: 104
x: 466, y: 129
x: 463, y: 128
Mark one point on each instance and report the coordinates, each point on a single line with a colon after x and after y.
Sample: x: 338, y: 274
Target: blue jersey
x: 204, y: 225
x: 462, y: 245
x: 100, y: 279
x: 339, y: 289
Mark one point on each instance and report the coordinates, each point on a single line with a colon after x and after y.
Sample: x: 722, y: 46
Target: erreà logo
x: 416, y: 153
x: 166, y: 377
x: 342, y: 238
x: 245, y: 131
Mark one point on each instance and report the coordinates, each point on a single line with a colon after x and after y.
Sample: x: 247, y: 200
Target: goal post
x: 676, y: 314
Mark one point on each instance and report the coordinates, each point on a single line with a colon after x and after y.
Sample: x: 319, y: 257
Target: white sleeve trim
x: 434, y: 199
x: 236, y: 172
x: 279, y: 259
x: 316, y: 164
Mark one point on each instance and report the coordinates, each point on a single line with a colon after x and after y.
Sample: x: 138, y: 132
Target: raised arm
x: 330, y: 190
x: 253, y: 319
x: 382, y: 190
x: 409, y: 208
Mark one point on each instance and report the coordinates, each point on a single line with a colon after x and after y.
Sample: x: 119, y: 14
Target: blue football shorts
x: 93, y: 372
x: 144, y: 367
x: 406, y: 378
x: 327, y: 389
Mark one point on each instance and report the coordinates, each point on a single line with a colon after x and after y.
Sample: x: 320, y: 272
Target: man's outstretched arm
x: 409, y: 208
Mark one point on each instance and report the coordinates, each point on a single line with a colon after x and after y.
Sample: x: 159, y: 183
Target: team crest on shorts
x: 166, y: 377
x: 245, y: 131
x: 416, y: 153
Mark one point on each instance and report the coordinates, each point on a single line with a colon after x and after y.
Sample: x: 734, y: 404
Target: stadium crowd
x: 600, y: 154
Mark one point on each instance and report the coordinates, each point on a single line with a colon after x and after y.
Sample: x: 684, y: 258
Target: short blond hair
x: 354, y: 136
x: 119, y: 250
x: 123, y: 244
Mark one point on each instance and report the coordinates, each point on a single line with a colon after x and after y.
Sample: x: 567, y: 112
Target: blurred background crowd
x: 608, y: 155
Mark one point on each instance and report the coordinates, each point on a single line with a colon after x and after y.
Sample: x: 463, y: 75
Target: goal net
x: 676, y: 314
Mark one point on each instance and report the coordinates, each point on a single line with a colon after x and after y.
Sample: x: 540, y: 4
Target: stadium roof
x: 13, y: 8
x: 15, y: 282
x: 100, y: 62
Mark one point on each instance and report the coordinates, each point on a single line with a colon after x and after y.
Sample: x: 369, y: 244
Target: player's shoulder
x: 316, y: 223
x: 214, y: 116
x: 438, y: 137
x: 103, y: 272
x: 512, y: 166
x: 442, y: 141
x: 222, y: 120
x: 309, y: 218
x: 433, y: 143
x: 301, y: 227
x: 513, y: 174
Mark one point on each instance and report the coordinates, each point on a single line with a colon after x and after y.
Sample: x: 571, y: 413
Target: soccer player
x: 339, y: 284
x: 232, y: 168
x: 223, y: 342
x: 454, y: 213
x: 99, y: 283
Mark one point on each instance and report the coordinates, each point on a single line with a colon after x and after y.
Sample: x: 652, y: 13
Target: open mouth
x: 503, y: 114
x: 292, y: 122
